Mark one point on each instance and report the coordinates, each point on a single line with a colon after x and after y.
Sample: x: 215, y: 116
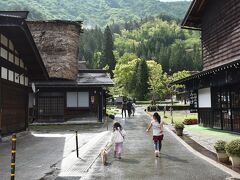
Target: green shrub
x: 233, y: 148
x: 190, y: 121
x: 151, y: 108
x: 220, y: 146
x: 179, y: 125
x: 112, y: 111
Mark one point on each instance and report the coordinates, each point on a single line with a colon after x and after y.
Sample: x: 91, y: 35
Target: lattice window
x: 51, y: 105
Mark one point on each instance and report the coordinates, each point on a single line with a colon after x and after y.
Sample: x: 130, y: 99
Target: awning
x: 86, y: 78
x: 193, y: 17
x: 213, y: 71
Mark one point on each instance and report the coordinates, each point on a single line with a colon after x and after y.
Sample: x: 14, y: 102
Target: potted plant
x: 221, y: 152
x: 179, y: 128
x: 233, y: 150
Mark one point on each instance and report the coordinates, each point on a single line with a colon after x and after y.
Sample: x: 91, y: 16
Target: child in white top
x: 118, y: 136
x: 157, y: 127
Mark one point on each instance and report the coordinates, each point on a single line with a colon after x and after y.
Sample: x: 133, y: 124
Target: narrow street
x: 139, y: 162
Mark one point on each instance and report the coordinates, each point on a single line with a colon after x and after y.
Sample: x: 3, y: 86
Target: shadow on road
x: 130, y: 161
x: 173, y: 158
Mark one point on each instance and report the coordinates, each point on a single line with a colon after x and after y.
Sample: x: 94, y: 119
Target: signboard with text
x: 193, y: 102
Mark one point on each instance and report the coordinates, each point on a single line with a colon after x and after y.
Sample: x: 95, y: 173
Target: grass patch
x: 220, y: 134
x: 178, y: 116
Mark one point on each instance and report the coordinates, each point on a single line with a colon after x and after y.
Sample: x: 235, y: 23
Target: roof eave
x: 73, y: 85
x: 20, y: 23
x: 191, y: 28
x: 188, y: 13
x: 15, y: 14
x: 35, y: 49
x: 209, y: 72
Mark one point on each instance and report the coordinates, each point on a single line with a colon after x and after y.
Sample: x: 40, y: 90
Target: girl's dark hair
x: 157, y: 116
x: 116, y: 126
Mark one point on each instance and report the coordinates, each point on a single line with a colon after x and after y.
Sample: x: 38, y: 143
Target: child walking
x: 117, y: 139
x: 157, y: 127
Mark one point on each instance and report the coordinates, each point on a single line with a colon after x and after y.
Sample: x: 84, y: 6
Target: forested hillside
x: 143, y: 57
x: 96, y: 12
x: 160, y: 39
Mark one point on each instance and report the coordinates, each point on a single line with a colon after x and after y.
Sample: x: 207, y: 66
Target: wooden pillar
x: 27, y: 109
x: 221, y: 108
x: 1, y: 106
x: 212, y: 109
x: 105, y: 102
x: 0, y: 95
x: 230, y: 108
x: 35, y: 107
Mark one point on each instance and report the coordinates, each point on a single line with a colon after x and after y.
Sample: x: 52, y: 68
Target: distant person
x: 164, y: 111
x: 157, y: 127
x: 129, y: 108
x: 113, y: 101
x: 118, y: 136
x: 133, y: 108
x: 124, y: 108
x: 134, y: 100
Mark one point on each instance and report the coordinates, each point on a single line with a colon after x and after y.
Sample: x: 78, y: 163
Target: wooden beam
x: 201, y: 5
x: 194, y: 18
x: 0, y: 98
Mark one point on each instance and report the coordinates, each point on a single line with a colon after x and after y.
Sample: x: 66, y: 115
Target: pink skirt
x: 118, y: 148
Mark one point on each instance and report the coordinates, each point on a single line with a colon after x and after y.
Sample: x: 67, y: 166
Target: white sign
x: 204, y: 98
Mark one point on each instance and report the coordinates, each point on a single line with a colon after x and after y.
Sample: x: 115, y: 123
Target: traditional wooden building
x: 215, y: 92
x: 75, y: 100
x: 73, y: 92
x: 20, y: 62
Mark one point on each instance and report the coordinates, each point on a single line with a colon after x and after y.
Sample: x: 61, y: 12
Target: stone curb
x: 214, y: 163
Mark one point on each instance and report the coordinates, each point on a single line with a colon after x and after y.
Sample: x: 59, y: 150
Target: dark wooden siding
x: 52, y: 105
x: 221, y: 33
x: 14, y: 107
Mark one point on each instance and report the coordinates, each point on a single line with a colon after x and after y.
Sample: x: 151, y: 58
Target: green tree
x: 155, y: 80
x: 124, y: 74
x: 172, y: 88
x: 142, y: 81
x: 107, y: 54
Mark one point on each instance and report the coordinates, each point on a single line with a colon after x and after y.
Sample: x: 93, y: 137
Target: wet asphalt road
x: 139, y: 162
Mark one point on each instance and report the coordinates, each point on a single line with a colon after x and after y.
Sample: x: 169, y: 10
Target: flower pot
x: 235, y: 161
x: 179, y: 131
x: 222, y: 157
